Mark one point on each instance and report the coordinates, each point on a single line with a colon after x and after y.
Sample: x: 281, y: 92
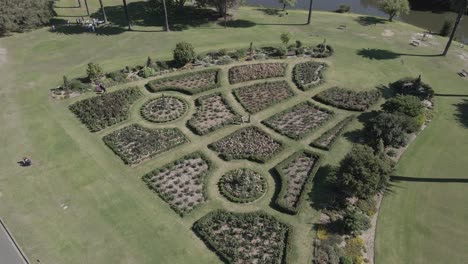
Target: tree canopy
x: 406, y: 104
x: 395, y: 8
x: 22, y: 15
x: 390, y: 128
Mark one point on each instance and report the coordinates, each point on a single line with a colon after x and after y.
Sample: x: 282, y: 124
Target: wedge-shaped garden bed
x: 250, y: 72
x: 327, y: 139
x: 257, y: 97
x: 213, y: 112
x: 299, y: 120
x: 164, y: 109
x: 191, y: 83
x: 242, y: 185
x: 348, y: 99
x: 102, y: 111
x: 135, y: 143
x: 295, y: 172
x: 181, y: 183
x: 244, y: 237
x: 250, y: 143
x: 309, y: 74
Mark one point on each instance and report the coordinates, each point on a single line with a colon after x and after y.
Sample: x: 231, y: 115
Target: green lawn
x: 112, y: 216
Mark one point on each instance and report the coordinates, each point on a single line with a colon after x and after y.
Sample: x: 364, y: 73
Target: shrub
x: 391, y: 129
x: 354, y: 222
x: 94, y: 71
x: 343, y: 9
x: 405, y: 104
x: 147, y: 72
x: 413, y: 86
x: 183, y: 53
x: 117, y: 76
x: 281, y: 51
x: 299, y: 44
x: 368, y: 206
x: 354, y: 247
x: 363, y: 173
x: 446, y: 27
x: 285, y: 38
x: 238, y: 54
x: 346, y: 260
x: 329, y: 251
x: 348, y: 99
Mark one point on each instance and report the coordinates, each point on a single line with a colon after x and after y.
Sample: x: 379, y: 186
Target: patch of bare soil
x: 388, y: 33
x: 424, y: 39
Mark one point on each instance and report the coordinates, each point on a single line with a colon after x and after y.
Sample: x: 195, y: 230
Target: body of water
x: 429, y: 20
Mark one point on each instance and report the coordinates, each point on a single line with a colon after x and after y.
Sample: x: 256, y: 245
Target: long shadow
x: 451, y: 95
x: 278, y: 24
x: 441, y: 180
x: 381, y: 54
x: 462, y: 112
x: 386, y: 91
x: 370, y: 20
x: 103, y: 30
x: 323, y: 195
x: 238, y: 23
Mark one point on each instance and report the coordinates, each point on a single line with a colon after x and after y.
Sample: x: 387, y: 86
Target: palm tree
x: 126, y: 14
x: 103, y: 11
x: 165, y: 16
x: 310, y: 11
x: 87, y: 8
x: 460, y: 6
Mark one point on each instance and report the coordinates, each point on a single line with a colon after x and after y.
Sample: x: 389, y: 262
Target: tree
x: 94, y: 71
x: 183, y: 53
x: 23, y: 15
x: 390, y: 128
x: 165, y: 16
x: 461, y: 7
x: 285, y: 38
x: 221, y: 6
x: 287, y: 3
x: 363, y: 173
x: 311, y: 3
x: 126, y: 14
x: 405, y: 104
x: 394, y: 8
x: 354, y: 222
x: 103, y: 11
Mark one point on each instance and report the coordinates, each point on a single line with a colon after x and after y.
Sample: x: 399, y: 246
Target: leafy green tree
x: 221, y: 6
x: 183, y: 53
x: 94, y: 71
x: 23, y: 15
x: 395, y: 8
x: 354, y: 222
x: 461, y: 6
x: 287, y: 3
x: 390, y: 128
x: 363, y: 173
x: 405, y: 104
x: 285, y: 38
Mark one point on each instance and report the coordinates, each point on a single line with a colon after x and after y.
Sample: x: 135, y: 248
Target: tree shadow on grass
x: 434, y: 180
x: 370, y: 20
x: 323, y: 194
x: 386, y: 91
x: 103, y: 30
x: 269, y: 11
x: 238, y: 23
x: 462, y: 113
x: 381, y: 54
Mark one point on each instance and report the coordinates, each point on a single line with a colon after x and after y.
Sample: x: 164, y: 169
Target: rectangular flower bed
x: 348, y: 99
x: 191, y: 83
x: 244, y: 237
x: 181, y: 183
x: 250, y: 72
x: 250, y: 143
x: 295, y: 172
x: 299, y: 120
x: 108, y: 109
x: 257, y: 97
x: 213, y: 112
x: 135, y: 143
x: 327, y: 139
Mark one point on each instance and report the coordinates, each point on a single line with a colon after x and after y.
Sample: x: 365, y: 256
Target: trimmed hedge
x: 108, y: 109
x: 324, y: 142
x: 165, y: 84
x: 348, y: 99
x: 211, y: 229
x: 280, y: 202
x: 307, y: 75
x: 168, y: 196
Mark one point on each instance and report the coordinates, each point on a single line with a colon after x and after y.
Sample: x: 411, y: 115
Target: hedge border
x: 342, y: 125
x: 235, y: 199
x: 267, y: 121
x: 204, y: 220
x: 197, y: 154
x: 322, y: 99
x: 309, y: 86
x: 217, y: 84
x: 284, y: 65
x: 236, y: 94
x: 307, y: 183
x: 125, y: 160
x: 253, y: 158
x: 186, y: 108
x: 214, y: 128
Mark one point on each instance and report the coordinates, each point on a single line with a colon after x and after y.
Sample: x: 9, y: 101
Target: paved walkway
x: 9, y: 252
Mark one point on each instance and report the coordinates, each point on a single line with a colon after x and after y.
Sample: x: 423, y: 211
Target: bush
x: 147, y: 72
x: 281, y: 51
x: 94, y: 71
x: 183, y: 53
x: 76, y: 85
x: 285, y: 38
x: 353, y: 249
x: 368, y: 206
x: 390, y: 128
x: 413, y: 86
x: 346, y: 260
x: 299, y: 44
x: 238, y: 54
x: 354, y: 222
x: 343, y: 9
x: 446, y: 27
x: 405, y: 104
x: 329, y: 251
x: 363, y: 173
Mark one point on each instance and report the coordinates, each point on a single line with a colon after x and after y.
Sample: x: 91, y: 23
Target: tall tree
x: 22, y: 15
x: 126, y: 14
x: 287, y: 3
x: 103, y: 11
x: 311, y: 3
x: 86, y: 5
x: 461, y: 7
x: 395, y: 8
x: 165, y: 16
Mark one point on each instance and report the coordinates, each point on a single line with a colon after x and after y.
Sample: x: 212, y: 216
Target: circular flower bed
x: 164, y: 109
x: 242, y: 185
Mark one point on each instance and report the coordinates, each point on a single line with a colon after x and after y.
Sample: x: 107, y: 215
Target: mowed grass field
x: 112, y: 217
